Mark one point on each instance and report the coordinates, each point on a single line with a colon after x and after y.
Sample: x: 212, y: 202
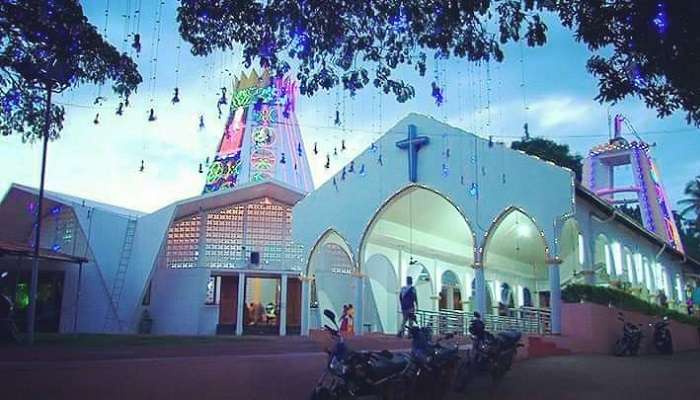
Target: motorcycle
x: 489, y: 354
x: 662, y: 336
x: 631, y: 338
x: 436, y: 362
x: 351, y: 374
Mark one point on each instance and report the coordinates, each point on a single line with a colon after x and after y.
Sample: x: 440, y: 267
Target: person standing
x: 344, y: 320
x: 409, y: 302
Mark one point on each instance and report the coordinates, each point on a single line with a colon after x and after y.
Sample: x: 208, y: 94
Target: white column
x: 450, y: 297
x: 555, y: 294
x: 240, y: 304
x: 359, y: 303
x: 283, y: 305
x: 305, y: 305
x: 480, y: 286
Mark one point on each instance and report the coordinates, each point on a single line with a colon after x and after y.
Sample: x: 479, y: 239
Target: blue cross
x: 413, y: 143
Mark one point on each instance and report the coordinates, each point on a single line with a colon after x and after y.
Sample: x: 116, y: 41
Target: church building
x: 478, y: 226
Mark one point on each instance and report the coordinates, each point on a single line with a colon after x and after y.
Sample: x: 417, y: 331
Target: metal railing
x: 524, y: 319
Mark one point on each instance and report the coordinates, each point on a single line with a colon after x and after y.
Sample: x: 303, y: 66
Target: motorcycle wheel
x: 620, y: 348
x: 463, y: 376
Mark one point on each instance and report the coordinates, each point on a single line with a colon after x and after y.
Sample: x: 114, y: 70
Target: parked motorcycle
x: 662, y: 336
x: 436, y: 362
x: 489, y: 354
x: 631, y: 338
x: 351, y: 374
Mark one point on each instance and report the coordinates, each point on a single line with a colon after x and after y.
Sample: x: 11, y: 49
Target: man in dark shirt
x: 409, y: 301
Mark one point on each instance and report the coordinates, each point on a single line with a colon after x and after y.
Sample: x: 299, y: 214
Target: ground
x: 286, y: 368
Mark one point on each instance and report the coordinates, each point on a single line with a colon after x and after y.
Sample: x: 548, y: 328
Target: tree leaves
x: 357, y: 43
x: 50, y: 44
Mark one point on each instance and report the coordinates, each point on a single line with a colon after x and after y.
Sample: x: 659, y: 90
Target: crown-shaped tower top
x: 262, y: 139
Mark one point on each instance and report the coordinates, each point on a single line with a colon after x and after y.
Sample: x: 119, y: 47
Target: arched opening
x: 334, y: 276
x: 450, y: 294
x: 602, y: 260
x: 415, y: 230
x: 570, y: 252
x: 515, y: 255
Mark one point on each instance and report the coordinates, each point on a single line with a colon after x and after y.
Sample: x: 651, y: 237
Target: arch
x: 515, y: 254
x: 414, y: 228
x: 503, y: 216
x: 570, y: 251
x: 450, y: 293
x: 398, y: 195
x: 333, y: 272
x: 422, y: 281
x: 602, y: 261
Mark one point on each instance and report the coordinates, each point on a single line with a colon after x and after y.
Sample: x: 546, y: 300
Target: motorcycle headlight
x: 338, y: 367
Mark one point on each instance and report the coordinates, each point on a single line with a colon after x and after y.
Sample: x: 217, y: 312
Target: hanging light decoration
x: 328, y: 162
x: 474, y: 189
x: 142, y: 167
x: 342, y: 145
x: 201, y: 169
x: 379, y: 160
x: 373, y: 147
x: 300, y: 151
x: 201, y: 122
x: 445, y: 170
x: 335, y: 151
x: 316, y: 148
x: 176, y: 96
x: 151, y: 115
x: 96, y: 121
x: 437, y: 94
x: 120, y: 109
x: 283, y: 160
x: 337, y: 118
x: 362, y: 170
x: 351, y: 168
x: 136, y: 44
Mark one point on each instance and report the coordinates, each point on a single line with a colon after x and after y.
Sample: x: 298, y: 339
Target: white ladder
x: 120, y: 276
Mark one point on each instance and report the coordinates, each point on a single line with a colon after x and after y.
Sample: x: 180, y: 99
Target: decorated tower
x: 262, y: 139
x: 646, y: 190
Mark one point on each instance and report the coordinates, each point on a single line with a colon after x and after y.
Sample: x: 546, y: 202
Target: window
x: 213, y: 290
x: 617, y: 258
x: 679, y: 287
x: 581, y: 258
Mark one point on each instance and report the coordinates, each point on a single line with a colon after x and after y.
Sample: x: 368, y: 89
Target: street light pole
x: 31, y: 315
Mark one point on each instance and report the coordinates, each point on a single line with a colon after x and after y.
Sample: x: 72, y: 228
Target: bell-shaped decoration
x: 176, y: 96
x: 201, y: 169
x: 136, y: 44
x: 337, y: 118
x: 342, y: 176
x: 362, y: 170
x: 151, y: 115
x: 201, y: 122
x: 315, y: 147
x: 299, y: 149
x: 351, y: 168
x: 120, y: 109
x: 328, y: 162
x: 142, y: 167
x: 335, y: 151
x: 96, y: 121
x: 283, y: 160
x: 379, y: 160
x: 342, y: 145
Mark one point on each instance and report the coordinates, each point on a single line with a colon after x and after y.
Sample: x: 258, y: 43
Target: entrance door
x: 228, y: 304
x: 293, y: 306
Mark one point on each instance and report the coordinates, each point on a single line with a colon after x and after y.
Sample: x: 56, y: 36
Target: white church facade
x: 477, y: 225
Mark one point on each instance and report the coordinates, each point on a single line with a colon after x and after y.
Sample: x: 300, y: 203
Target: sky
x: 547, y: 87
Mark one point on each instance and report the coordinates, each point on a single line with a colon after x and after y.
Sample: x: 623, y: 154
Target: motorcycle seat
x: 509, y: 337
x: 384, y: 366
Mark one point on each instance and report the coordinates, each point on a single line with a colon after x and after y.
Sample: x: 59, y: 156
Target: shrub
x: 620, y: 299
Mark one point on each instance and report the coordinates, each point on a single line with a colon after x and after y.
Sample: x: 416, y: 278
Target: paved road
x: 291, y: 375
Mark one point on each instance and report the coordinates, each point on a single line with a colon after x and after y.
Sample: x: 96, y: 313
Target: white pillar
x: 450, y: 293
x: 480, y: 286
x: 359, y: 303
x: 305, y: 305
x: 283, y: 305
x: 240, y: 304
x: 555, y: 295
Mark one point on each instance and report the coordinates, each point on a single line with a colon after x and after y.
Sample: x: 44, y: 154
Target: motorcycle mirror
x: 329, y: 314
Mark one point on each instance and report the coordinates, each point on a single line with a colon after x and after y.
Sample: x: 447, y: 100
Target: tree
x: 692, y: 202
x: 335, y: 41
x: 46, y: 47
x: 655, y: 45
x: 551, y: 151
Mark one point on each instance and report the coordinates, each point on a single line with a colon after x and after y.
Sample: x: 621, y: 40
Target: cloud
x: 556, y: 111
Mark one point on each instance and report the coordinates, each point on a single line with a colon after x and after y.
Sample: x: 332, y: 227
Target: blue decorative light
x: 661, y: 19
x: 474, y: 189
x: 56, y: 210
x: 56, y: 247
x: 445, y: 170
x: 362, y: 170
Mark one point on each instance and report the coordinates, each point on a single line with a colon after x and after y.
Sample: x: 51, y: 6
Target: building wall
x: 177, y: 302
